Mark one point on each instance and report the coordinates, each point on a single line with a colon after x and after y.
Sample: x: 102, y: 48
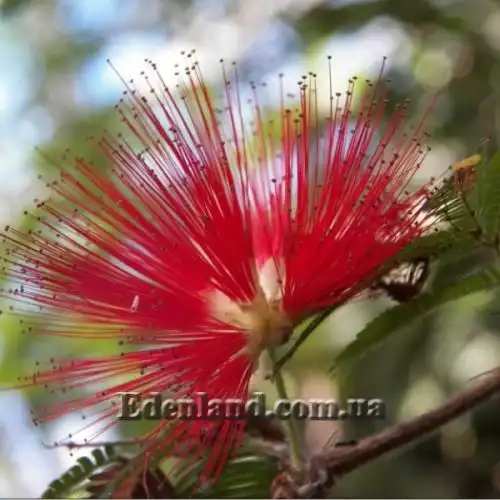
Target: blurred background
x: 56, y: 89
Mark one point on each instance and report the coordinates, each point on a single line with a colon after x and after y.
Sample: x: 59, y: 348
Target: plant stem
x: 291, y: 424
x: 341, y: 461
x: 302, y: 338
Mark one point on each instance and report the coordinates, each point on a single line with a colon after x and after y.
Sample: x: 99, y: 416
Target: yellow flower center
x: 263, y: 320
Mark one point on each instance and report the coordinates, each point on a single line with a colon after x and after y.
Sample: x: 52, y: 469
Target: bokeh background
x: 56, y: 89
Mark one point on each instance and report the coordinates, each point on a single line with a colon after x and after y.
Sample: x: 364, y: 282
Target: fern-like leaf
x: 86, y: 466
x: 245, y: 476
x: 446, y: 243
x: 390, y: 321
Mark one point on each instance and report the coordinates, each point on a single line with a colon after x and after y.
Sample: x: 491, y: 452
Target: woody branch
x: 344, y: 460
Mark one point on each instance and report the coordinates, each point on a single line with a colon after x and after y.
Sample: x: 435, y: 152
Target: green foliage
x: 447, y: 243
x: 246, y: 476
x: 453, y: 202
x: 74, y: 477
x: 486, y: 198
x: 462, y: 211
x: 391, y: 321
x: 11, y: 7
x: 447, y: 202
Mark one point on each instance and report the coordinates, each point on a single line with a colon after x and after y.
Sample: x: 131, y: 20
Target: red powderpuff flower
x: 206, y: 240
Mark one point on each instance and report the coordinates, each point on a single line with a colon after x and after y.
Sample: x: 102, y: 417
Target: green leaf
x: 486, y: 197
x: 457, y: 206
x: 446, y: 243
x: 245, y: 476
x: 390, y: 321
x: 61, y: 487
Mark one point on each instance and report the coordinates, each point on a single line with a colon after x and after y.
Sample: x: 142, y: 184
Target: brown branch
x: 265, y: 428
x: 343, y: 460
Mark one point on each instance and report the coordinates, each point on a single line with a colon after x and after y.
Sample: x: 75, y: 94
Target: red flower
x: 205, y: 244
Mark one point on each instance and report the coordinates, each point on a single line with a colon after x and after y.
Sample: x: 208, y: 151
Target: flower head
x: 207, y: 239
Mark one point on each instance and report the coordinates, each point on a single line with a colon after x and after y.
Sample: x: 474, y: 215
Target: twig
x: 270, y: 430
x: 339, y: 461
x: 294, y: 435
x: 71, y: 445
x: 343, y: 460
